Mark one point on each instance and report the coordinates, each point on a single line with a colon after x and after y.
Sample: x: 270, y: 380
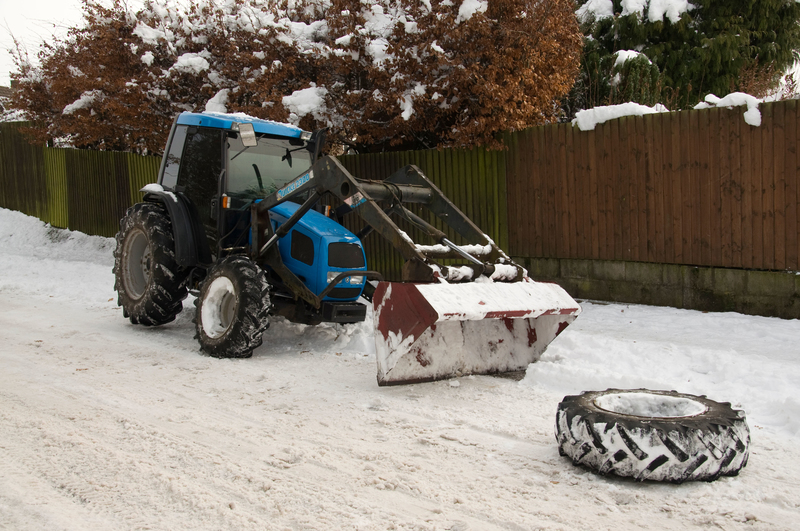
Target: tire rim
x: 650, y: 405
x: 138, y: 261
x: 219, y: 307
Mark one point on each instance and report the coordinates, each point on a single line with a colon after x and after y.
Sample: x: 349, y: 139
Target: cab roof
x: 220, y: 120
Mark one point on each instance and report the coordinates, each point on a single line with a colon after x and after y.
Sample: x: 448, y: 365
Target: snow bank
x: 588, y: 119
x: 629, y: 346
x: 26, y: 235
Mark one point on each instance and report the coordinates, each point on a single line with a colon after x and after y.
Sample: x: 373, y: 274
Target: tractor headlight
x: 346, y: 280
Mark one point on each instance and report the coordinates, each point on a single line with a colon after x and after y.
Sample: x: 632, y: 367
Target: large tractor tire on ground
x: 150, y: 285
x: 653, y: 435
x: 232, y: 309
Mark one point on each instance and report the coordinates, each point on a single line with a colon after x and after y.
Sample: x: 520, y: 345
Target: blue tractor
x: 236, y: 218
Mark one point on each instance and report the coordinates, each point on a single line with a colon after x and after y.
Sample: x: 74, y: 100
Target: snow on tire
x: 232, y: 308
x: 653, y: 435
x: 150, y: 286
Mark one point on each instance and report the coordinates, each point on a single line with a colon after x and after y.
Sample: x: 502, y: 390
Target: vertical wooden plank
x: 694, y: 149
x: 792, y: 163
x: 537, y: 170
x: 780, y: 186
x: 659, y: 219
x: 768, y: 187
x: 467, y: 176
x: 734, y: 131
x: 56, y: 175
x: 553, y: 197
x: 715, y: 188
x: 757, y: 192
x: 522, y: 197
x: 572, y: 206
x: 667, y: 181
x: 485, y: 192
x: 617, y: 187
x: 649, y: 189
x: 513, y: 193
x: 746, y: 135
x: 543, y: 195
x: 592, y: 194
x: 604, y: 173
x: 580, y: 178
x: 704, y: 178
x: 529, y: 205
x: 563, y: 194
x: 500, y: 200
x: 627, y: 191
x: 687, y: 196
x: 528, y: 199
x: 640, y: 183
x: 676, y: 178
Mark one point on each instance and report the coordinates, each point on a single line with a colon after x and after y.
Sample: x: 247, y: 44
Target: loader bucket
x: 426, y: 332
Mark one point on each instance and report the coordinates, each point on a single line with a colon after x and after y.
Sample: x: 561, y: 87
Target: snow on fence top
x: 588, y: 119
x: 736, y: 99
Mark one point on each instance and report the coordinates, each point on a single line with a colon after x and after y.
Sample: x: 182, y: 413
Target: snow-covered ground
x: 105, y: 425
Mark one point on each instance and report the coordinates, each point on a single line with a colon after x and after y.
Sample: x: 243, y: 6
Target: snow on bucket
x: 426, y: 332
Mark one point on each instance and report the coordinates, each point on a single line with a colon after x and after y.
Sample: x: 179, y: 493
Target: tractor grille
x: 345, y: 255
x: 344, y: 293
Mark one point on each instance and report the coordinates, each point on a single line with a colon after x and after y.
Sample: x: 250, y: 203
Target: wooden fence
x: 87, y: 191
x: 695, y: 187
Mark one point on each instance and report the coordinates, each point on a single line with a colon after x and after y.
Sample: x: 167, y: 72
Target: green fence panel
x: 141, y: 172
x: 57, y: 190
x: 23, y: 185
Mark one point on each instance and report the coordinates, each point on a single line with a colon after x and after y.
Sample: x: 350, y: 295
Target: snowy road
x: 104, y: 425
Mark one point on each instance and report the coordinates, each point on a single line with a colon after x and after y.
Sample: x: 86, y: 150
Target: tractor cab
x: 222, y: 165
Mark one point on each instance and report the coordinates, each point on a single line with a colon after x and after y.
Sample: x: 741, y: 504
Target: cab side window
x: 173, y: 163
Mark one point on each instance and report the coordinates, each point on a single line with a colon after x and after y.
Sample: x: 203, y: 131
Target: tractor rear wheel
x: 150, y: 285
x: 232, y: 308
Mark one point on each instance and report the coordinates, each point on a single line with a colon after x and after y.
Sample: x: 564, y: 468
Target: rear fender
x: 191, y: 246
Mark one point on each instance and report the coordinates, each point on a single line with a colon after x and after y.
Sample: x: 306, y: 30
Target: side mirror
x: 248, y: 135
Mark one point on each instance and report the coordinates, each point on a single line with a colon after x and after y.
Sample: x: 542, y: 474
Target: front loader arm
x: 328, y: 175
x: 407, y: 185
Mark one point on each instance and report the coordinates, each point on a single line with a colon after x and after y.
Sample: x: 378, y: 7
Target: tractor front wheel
x: 150, y: 285
x: 232, y: 309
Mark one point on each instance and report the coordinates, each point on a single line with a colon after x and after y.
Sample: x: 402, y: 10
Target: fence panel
x: 694, y: 187
x: 23, y: 183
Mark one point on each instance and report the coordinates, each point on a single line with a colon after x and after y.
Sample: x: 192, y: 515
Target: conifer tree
x: 699, y: 47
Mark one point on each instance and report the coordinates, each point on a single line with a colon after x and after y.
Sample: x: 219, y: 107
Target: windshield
x: 255, y: 172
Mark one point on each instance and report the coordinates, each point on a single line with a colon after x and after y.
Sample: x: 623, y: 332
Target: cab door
x: 199, y: 177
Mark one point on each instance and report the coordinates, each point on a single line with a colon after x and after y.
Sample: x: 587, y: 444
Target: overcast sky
x: 32, y: 22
